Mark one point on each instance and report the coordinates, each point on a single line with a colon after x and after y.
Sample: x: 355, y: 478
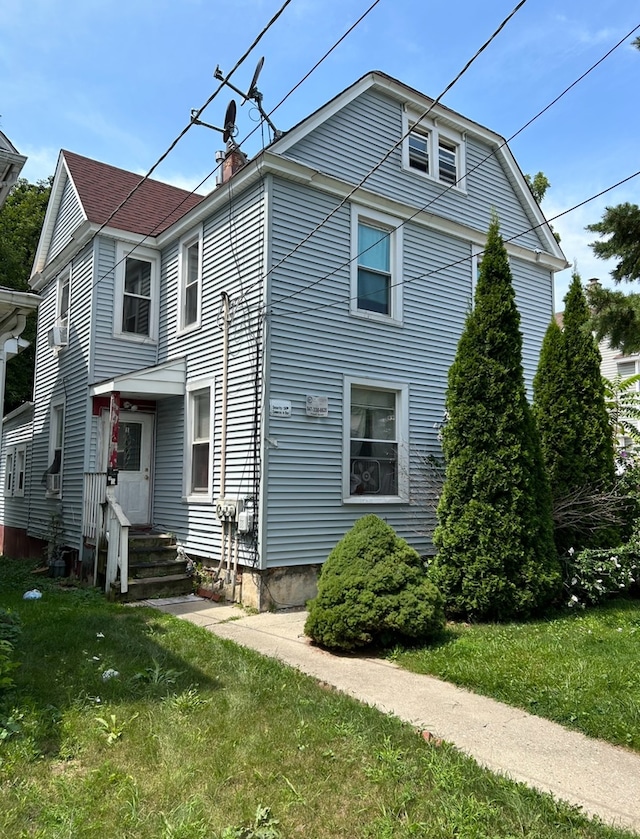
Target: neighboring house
x: 260, y: 367
x: 14, y: 305
x: 615, y: 363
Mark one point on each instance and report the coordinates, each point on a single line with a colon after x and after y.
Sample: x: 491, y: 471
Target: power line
x: 395, y: 146
x: 463, y: 175
x: 457, y: 262
x: 175, y: 142
x: 238, y: 145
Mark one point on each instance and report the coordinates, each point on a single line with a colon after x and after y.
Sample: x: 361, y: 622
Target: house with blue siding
x: 253, y: 370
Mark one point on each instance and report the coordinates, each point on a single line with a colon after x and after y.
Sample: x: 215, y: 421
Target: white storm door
x: 135, y: 444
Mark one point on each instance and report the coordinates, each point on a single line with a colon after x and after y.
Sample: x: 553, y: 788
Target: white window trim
x: 185, y: 243
x: 123, y: 252
x: 59, y: 403
x: 394, y: 226
x: 402, y: 438
x: 187, y: 495
x: 434, y: 131
x: 476, y: 258
x: 63, y: 276
x: 21, y: 449
x: 9, y: 473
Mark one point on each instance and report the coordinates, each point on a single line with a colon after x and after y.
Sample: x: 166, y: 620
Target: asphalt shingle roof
x: 153, y: 208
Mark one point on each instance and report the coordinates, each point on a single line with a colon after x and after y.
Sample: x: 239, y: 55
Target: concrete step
x: 155, y: 565
x: 149, y: 587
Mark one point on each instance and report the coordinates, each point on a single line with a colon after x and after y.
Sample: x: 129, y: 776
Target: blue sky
x: 116, y: 81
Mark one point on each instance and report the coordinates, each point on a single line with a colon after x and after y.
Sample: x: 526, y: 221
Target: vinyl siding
x: 70, y: 216
x: 15, y: 432
x: 233, y: 244
x: 350, y: 143
x: 62, y: 376
x: 314, y: 342
x: 113, y: 356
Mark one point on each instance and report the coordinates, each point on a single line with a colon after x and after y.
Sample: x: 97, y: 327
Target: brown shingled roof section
x: 153, y: 207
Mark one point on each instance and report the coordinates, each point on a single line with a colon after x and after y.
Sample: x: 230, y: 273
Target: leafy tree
x: 576, y: 438
x: 622, y: 401
x: 21, y: 220
x: 373, y: 589
x: 496, y: 558
x: 539, y: 184
x: 616, y: 315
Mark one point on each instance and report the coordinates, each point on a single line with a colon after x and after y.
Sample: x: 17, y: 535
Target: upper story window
x: 418, y: 144
x: 58, y: 336
x: 136, y: 293
x: 64, y: 287
x: 434, y: 151
x: 190, y: 281
x: 376, y: 258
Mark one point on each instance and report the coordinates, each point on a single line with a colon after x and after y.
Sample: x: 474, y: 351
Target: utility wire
x: 401, y: 140
x: 464, y: 174
x: 457, y: 262
x: 238, y: 145
x: 175, y: 142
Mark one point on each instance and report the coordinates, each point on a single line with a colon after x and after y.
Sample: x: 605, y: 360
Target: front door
x: 135, y: 439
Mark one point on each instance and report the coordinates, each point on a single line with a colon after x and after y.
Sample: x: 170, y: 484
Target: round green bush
x: 373, y: 590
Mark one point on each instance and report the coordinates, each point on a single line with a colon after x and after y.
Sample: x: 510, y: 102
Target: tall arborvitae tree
x: 496, y: 558
x: 552, y: 410
x: 570, y: 408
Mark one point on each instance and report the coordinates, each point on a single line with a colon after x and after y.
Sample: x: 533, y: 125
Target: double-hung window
x: 199, y: 454
x: 56, y: 451
x: 20, y: 467
x: 8, y: 473
x: 376, y: 467
x: 136, y: 293
x: 376, y: 285
x: 434, y: 151
x: 59, y: 333
x: 418, y: 144
x: 190, y: 281
x: 15, y: 470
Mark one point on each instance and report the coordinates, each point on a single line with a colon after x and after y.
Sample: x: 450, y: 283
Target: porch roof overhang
x: 158, y: 382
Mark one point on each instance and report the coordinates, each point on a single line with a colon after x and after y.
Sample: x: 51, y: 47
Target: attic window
x: 434, y: 151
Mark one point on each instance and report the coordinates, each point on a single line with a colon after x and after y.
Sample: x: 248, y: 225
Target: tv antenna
x: 229, y: 131
x: 253, y: 94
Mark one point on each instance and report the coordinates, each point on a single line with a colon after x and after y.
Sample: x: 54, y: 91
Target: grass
x: 196, y: 737
x: 579, y: 669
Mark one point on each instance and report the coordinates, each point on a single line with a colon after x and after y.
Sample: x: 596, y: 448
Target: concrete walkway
x: 602, y: 779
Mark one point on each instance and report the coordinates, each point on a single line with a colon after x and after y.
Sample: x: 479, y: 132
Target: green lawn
x: 195, y: 734
x: 580, y: 669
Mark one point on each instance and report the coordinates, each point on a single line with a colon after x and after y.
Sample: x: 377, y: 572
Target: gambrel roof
x: 99, y: 189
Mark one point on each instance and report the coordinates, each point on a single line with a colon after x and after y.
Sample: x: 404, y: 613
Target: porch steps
x: 154, y: 568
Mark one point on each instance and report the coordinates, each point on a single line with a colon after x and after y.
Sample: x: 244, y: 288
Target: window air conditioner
x: 58, y: 336
x: 53, y: 482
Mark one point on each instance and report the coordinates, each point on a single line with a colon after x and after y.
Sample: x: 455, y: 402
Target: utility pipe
x: 223, y: 432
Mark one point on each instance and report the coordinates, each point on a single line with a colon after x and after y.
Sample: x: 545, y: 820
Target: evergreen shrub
x: 373, y: 590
